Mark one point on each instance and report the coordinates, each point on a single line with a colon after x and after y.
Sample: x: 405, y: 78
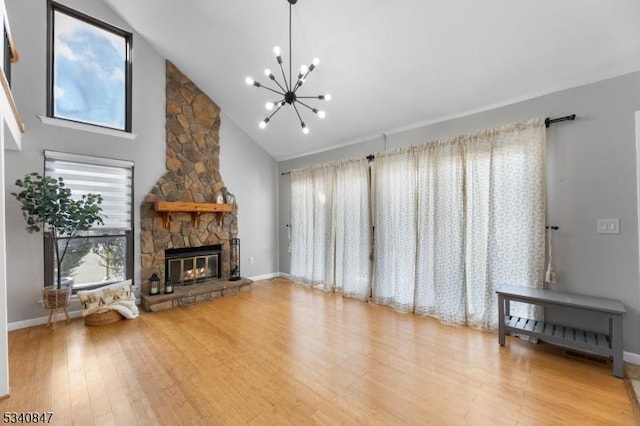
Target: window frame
x: 7, y: 54
x: 48, y: 241
x: 53, y: 7
x: 49, y: 261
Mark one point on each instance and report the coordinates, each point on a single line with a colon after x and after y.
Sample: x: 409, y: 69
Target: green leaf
x: 46, y: 203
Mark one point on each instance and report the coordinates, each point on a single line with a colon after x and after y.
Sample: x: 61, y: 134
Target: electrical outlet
x: 252, y: 260
x: 608, y: 226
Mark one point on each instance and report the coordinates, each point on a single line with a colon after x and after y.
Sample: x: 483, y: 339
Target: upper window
x: 89, y: 70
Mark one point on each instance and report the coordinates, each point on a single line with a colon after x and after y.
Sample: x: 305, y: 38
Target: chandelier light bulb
x: 267, y: 72
x: 269, y: 106
x: 315, y: 61
x: 249, y: 81
x: 303, y: 69
x: 276, y: 50
x: 327, y: 97
x: 305, y: 130
x: 322, y: 114
x: 262, y: 125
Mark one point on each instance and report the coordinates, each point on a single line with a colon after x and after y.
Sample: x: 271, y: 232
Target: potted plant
x: 47, y: 205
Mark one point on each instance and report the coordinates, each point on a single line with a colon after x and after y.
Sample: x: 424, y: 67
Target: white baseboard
x: 631, y: 357
x: 39, y: 321
x: 266, y: 276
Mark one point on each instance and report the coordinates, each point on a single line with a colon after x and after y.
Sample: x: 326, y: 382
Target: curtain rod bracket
x: 548, y: 121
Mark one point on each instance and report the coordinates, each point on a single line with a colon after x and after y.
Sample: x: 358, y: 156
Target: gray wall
x: 591, y: 174
x: 24, y: 258
x: 250, y: 174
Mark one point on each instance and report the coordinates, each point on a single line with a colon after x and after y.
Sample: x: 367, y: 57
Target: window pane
x: 94, y: 261
x: 89, y: 73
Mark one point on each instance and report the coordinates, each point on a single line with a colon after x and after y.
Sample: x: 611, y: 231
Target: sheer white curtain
x: 440, y: 275
x: 395, y: 229
x: 505, y: 209
x: 312, y: 225
x: 331, y: 227
x: 455, y: 219
x: 352, y: 217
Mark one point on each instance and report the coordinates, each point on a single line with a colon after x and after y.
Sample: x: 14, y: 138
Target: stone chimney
x: 193, y: 175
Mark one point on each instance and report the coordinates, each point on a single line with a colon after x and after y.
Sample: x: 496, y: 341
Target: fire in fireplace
x: 189, y: 265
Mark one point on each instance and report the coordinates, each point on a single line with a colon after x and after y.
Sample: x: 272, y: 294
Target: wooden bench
x: 603, y: 344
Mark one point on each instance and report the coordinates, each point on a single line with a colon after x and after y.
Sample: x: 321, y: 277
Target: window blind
x: 113, y: 179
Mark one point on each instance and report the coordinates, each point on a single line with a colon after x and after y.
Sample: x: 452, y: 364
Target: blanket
x: 118, y: 297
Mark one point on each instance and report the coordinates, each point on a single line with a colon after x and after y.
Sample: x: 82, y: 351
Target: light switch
x: 608, y: 226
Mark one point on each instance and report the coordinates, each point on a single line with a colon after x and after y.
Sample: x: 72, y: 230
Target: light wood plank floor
x: 285, y: 354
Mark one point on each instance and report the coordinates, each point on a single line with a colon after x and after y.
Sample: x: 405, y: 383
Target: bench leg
x: 615, y: 334
x: 501, y: 328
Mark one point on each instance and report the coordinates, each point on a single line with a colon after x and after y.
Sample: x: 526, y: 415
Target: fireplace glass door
x: 191, y: 265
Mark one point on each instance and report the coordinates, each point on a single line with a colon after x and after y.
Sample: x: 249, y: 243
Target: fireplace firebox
x: 190, y: 265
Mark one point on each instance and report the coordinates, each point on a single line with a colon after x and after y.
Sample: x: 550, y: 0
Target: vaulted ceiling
x: 388, y: 65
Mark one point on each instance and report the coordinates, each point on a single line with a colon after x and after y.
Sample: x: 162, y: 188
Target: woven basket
x: 54, y: 298
x: 103, y: 318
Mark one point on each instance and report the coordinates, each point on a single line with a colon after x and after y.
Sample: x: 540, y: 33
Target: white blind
x: 110, y: 178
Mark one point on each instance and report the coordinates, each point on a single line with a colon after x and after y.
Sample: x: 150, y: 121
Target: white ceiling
x: 388, y: 65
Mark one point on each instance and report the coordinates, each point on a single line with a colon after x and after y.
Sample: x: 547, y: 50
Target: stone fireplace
x: 192, y: 176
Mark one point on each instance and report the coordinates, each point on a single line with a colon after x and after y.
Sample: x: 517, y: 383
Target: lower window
x: 92, y: 261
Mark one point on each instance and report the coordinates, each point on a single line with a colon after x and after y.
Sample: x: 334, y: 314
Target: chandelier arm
x: 297, y: 86
x: 298, y: 83
x: 279, y: 85
x: 307, y: 97
x: 274, y: 113
x: 284, y: 77
x: 272, y: 90
x: 302, y: 103
x: 297, y: 112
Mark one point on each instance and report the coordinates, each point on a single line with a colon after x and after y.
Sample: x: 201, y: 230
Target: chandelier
x: 288, y: 91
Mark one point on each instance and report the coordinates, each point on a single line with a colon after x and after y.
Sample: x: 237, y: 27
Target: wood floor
x: 285, y: 354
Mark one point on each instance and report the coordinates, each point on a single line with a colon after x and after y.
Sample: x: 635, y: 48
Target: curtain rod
x: 548, y: 121
x: 369, y: 158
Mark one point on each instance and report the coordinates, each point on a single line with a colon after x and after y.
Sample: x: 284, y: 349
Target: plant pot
x: 54, y: 298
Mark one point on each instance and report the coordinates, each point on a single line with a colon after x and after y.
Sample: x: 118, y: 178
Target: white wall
x: 25, y: 253
x: 591, y: 174
x: 4, y: 344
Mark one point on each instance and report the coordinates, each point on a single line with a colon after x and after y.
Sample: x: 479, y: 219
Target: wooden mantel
x: 168, y: 207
